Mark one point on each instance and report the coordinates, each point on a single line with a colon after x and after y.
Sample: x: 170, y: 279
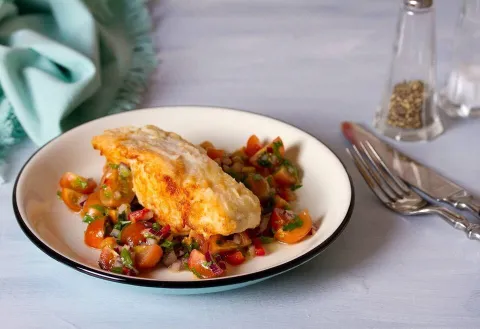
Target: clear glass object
x: 406, y: 110
x: 460, y: 97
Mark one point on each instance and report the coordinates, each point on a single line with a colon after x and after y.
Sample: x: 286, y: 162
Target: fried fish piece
x: 179, y: 182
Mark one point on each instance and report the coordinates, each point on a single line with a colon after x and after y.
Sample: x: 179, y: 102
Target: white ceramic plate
x: 327, y: 192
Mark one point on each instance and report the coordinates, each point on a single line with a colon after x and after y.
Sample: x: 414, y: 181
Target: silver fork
x: 397, y: 195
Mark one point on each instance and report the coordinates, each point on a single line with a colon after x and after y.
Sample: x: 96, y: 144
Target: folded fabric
x: 66, y: 62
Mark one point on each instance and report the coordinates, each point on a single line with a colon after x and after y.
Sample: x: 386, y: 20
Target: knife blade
x: 420, y: 176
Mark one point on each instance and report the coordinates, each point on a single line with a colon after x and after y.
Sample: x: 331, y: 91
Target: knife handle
x: 459, y: 222
x: 465, y: 201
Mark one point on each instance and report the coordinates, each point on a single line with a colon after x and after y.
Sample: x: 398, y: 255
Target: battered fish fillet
x: 179, y: 182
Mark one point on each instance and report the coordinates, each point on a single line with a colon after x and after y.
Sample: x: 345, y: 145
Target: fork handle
x: 459, y: 222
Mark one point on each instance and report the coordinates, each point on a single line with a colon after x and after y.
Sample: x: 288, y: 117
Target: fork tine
x: 369, y: 180
x: 386, y: 177
x: 368, y: 177
x: 376, y: 176
x: 393, y: 176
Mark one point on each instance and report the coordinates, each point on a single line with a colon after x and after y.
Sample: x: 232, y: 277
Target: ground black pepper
x: 407, y: 103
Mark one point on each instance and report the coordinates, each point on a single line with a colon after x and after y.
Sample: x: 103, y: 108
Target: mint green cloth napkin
x: 66, y: 62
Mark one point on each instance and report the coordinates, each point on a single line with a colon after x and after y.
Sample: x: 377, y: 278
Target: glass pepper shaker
x: 460, y: 96
x: 406, y: 111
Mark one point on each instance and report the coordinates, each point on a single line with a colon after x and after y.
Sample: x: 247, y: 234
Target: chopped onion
x: 123, y: 166
x: 220, y: 261
x: 123, y: 208
x: 263, y: 224
x: 151, y: 241
x: 118, y: 262
x: 117, y: 195
x: 82, y: 199
x: 169, y: 259
x: 184, y: 263
x: 148, y: 224
x: 148, y: 215
x: 251, y: 250
x: 217, y: 270
x: 208, y: 256
x: 176, y: 266
x: 237, y: 239
x: 115, y: 233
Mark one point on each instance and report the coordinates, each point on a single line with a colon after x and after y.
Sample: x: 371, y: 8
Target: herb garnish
x: 88, y: 219
x: 296, y: 223
x: 276, y: 149
x: 79, y: 183
x: 295, y: 187
x: 167, y: 244
x: 100, y: 208
x: 257, y: 177
x: 126, y: 258
x: 195, y: 272
x: 156, y: 226
x: 123, y: 172
x: 266, y: 239
x: 264, y: 161
x: 207, y: 264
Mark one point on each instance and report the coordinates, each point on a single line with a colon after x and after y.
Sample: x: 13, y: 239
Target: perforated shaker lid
x: 418, y: 4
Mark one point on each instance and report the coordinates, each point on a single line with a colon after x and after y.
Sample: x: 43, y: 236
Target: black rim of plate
x: 195, y: 284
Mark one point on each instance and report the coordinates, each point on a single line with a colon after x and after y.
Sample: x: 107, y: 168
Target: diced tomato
x: 296, y: 234
x: 116, y: 189
x: 95, y: 233
x: 285, y: 176
x: 147, y: 256
x: 132, y: 234
x: 234, y: 258
x: 108, y: 242
x: 258, y: 185
x: 107, y: 258
x: 271, y: 181
x: 214, y: 153
x: 261, y: 159
x: 287, y: 194
x: 165, y: 231
x: 71, y: 198
x: 113, y: 215
x: 280, y: 217
x: 140, y: 215
x: 281, y: 202
x: 259, y: 250
x: 197, y: 263
x: 77, y: 183
x: 253, y: 145
x: 276, y: 147
x: 92, y: 200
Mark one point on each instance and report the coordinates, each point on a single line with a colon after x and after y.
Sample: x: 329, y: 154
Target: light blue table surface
x: 312, y: 63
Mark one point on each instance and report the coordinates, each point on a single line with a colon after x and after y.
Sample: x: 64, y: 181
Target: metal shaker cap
x: 418, y: 4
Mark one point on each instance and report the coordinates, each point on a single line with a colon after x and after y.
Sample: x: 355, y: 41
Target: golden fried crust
x: 179, y: 182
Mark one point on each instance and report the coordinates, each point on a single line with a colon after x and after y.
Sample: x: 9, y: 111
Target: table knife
x: 418, y: 175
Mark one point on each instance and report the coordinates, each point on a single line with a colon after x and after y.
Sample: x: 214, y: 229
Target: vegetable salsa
x: 131, y: 240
